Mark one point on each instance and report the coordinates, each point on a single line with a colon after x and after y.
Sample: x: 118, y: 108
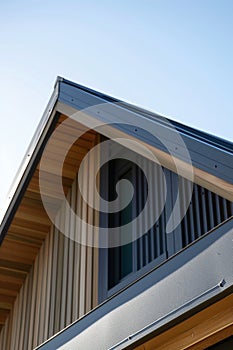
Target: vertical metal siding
x: 152, y: 244
x: 206, y: 210
x: 63, y: 282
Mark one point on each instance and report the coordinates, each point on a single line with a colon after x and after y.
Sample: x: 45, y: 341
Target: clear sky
x: 174, y: 57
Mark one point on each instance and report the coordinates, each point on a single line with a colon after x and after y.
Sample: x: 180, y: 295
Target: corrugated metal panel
x: 206, y: 210
x: 62, y: 285
x: 151, y: 245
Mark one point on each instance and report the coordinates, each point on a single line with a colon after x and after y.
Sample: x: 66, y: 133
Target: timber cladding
x: 60, y: 287
x: 47, y: 280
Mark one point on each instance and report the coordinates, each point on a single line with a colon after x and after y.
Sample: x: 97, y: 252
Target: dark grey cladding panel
x: 207, y: 152
x: 202, y: 271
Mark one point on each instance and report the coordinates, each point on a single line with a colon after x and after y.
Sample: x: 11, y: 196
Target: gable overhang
x: 211, y: 156
x: 211, y: 159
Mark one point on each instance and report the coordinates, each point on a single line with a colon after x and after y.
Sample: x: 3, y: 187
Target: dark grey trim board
x: 207, y: 152
x: 198, y: 134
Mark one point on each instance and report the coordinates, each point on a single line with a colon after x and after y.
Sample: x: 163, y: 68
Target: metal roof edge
x: 207, y: 152
x: 18, y: 186
x: 188, y: 130
x: 26, y: 167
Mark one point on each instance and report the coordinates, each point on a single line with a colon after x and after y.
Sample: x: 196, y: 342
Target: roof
x: 210, y: 154
x: 25, y: 222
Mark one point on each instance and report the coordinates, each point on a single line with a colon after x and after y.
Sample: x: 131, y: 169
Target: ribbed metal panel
x: 63, y: 283
x: 206, y: 210
x: 152, y: 244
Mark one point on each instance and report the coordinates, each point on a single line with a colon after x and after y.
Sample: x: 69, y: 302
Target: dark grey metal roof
x: 209, y: 153
x: 184, y: 129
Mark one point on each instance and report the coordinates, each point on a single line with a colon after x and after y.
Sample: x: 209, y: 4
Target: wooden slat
x: 81, y: 147
x: 33, y: 214
x: 18, y: 280
x: 52, y: 167
x: 37, y: 229
x: 19, y: 238
x: 3, y: 315
x: 199, y: 331
x: 8, y: 291
x: 6, y: 301
x: 15, y: 266
x: 72, y: 128
x: 23, y: 254
x: 82, y: 143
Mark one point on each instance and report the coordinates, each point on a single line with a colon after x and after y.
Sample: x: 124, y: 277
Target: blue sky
x: 174, y: 57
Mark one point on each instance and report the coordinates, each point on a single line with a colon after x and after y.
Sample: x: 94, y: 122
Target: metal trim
x: 220, y: 150
x: 30, y: 161
x: 206, y: 291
